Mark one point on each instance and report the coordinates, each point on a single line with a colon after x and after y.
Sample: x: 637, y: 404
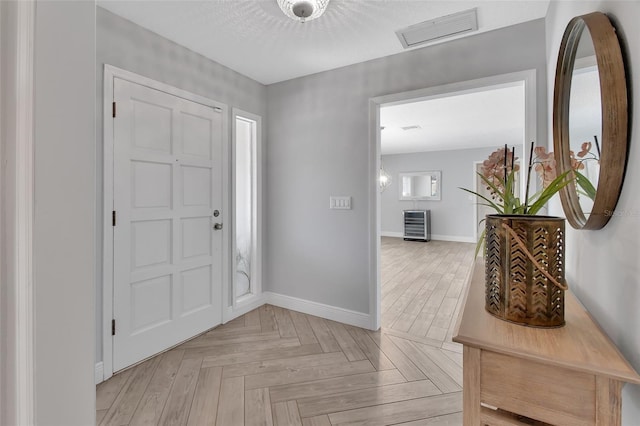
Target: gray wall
x: 8, y: 100
x: 603, y: 266
x: 126, y: 45
x: 452, y: 216
x: 318, y: 132
x: 64, y: 221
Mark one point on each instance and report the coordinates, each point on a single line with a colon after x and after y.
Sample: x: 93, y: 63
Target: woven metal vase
x: 524, y: 262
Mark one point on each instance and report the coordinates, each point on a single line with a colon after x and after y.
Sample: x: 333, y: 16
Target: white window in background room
x: 245, y: 205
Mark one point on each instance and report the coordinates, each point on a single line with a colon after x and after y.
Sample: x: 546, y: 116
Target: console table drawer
x: 547, y: 393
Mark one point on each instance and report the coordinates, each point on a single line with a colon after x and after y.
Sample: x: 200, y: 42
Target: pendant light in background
x: 384, y: 179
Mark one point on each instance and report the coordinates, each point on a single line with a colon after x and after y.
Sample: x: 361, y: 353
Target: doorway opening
x: 397, y: 120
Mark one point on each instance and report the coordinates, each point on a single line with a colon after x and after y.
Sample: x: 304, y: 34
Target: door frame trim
x: 110, y: 73
x: 19, y: 198
x: 529, y: 77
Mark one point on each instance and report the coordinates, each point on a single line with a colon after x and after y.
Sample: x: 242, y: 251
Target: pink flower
x: 545, y: 165
x: 546, y: 170
x: 493, y: 168
x: 541, y: 153
x: 586, y: 147
x: 575, y: 164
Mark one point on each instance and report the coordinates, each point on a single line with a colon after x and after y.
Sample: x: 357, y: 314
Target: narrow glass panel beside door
x: 245, y: 205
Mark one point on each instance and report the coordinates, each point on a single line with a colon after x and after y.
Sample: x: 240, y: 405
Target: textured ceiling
x: 256, y: 39
x: 488, y: 118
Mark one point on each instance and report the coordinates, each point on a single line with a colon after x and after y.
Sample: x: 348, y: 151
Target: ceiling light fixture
x: 303, y: 10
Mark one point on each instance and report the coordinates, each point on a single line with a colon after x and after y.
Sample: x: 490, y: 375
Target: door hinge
x: 113, y: 327
x: 113, y: 218
x: 113, y: 110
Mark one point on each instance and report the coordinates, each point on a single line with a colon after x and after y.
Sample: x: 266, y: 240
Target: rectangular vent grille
x: 439, y: 28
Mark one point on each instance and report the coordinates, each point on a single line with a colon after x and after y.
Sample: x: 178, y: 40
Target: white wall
x: 452, y: 218
x: 603, y: 266
x: 318, y: 132
x: 126, y: 45
x: 64, y: 223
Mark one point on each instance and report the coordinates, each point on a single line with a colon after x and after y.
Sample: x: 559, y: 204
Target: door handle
x: 217, y: 226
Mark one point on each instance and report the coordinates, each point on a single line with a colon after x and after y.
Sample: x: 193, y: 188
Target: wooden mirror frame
x: 613, y: 95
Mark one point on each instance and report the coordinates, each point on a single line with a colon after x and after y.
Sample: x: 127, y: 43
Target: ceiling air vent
x: 439, y: 28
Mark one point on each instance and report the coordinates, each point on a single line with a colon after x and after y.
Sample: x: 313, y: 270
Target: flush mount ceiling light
x: 303, y: 10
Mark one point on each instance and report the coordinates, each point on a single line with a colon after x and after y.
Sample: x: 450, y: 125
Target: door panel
x: 196, y: 188
x: 167, y: 257
x: 196, y: 294
x: 151, y: 185
x: 196, y: 137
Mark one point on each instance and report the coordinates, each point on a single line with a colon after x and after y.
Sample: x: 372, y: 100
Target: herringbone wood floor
x: 278, y: 367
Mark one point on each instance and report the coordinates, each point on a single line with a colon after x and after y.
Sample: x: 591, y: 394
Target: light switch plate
x: 340, y: 202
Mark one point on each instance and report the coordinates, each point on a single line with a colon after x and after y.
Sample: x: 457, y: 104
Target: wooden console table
x: 565, y: 376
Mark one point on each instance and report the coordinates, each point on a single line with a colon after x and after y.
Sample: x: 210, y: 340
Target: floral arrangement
x: 585, y: 186
x: 545, y: 167
x: 498, y: 173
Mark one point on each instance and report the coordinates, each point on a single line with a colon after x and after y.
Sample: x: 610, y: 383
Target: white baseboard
x: 242, y: 308
x: 433, y: 237
x: 321, y: 310
x: 452, y: 238
x: 99, y: 372
x: 391, y: 234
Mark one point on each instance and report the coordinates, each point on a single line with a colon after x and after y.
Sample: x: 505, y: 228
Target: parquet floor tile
x: 276, y: 367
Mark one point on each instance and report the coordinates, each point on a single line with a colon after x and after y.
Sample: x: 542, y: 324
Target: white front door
x: 167, y: 254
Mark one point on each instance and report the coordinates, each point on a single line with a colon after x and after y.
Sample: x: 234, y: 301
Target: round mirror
x: 590, y: 120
